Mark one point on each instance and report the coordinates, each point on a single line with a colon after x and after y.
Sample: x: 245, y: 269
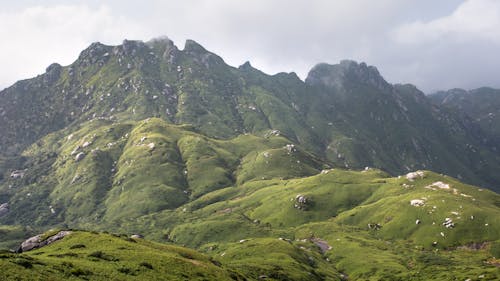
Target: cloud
x: 473, y: 20
x: 433, y: 44
x: 37, y: 36
x: 455, y: 50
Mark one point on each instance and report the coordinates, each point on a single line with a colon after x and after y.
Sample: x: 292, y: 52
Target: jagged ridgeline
x: 251, y: 169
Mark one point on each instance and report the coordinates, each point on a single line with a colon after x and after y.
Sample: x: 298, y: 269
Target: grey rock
x: 4, y: 209
x: 79, y: 156
x: 36, y: 242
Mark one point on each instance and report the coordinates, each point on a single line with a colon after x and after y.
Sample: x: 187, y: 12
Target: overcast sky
x: 433, y: 44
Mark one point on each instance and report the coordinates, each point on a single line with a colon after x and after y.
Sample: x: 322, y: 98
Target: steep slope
x: 482, y: 105
x: 396, y: 128
x: 345, y: 113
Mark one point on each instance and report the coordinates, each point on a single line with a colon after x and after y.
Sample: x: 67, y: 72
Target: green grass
x: 108, y: 257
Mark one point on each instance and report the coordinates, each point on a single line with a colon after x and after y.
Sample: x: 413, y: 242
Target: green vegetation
x: 260, y: 177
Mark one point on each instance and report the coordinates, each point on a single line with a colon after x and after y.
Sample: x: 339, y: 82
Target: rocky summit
x: 343, y: 176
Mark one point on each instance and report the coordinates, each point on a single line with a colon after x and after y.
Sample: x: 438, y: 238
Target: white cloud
x: 455, y: 50
x: 433, y: 44
x: 472, y: 20
x: 37, y: 36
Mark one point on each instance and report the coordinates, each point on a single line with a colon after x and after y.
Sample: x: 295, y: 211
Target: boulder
x: 414, y: 175
x: 4, y: 209
x: 79, y: 156
x: 36, y: 242
x: 17, y: 174
x: 417, y: 202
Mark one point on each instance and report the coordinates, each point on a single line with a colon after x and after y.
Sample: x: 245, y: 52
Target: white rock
x: 438, y: 184
x: 79, y: 156
x: 151, y: 145
x: 414, y: 175
x: 417, y: 202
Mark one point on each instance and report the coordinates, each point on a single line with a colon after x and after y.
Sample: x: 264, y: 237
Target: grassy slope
x: 92, y: 256
x: 209, y: 194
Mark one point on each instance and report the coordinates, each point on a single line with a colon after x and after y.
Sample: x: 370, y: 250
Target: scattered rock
x: 415, y: 175
x: 417, y: 202
x: 448, y: 223
x: 301, y: 202
x: 151, y: 145
x: 438, y: 184
x: 75, y: 151
x: 17, y: 174
x: 137, y: 236
x: 290, y: 148
x: 374, y: 226
x: 79, y: 156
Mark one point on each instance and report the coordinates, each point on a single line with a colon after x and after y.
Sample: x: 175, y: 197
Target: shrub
x: 126, y: 270
x: 77, y: 246
x: 101, y: 255
x: 79, y: 272
x: 23, y: 262
x: 146, y: 265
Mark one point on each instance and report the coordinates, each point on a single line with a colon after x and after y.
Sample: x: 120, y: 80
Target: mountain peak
x: 246, y: 66
x: 192, y: 46
x: 201, y: 55
x: 347, y: 70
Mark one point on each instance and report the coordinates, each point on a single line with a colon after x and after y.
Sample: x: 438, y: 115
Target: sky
x: 435, y: 45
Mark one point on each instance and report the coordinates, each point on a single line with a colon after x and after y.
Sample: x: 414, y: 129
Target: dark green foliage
x: 146, y: 265
x: 77, y: 246
x: 26, y: 263
x: 432, y: 259
x: 102, y: 256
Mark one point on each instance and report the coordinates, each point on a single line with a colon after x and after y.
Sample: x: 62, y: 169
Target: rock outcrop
x: 37, y: 241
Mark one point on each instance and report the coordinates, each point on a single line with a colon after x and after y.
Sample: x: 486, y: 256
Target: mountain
x: 482, y: 105
x: 271, y: 175
x: 346, y: 114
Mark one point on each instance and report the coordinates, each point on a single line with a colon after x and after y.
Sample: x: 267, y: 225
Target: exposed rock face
x: 36, y: 242
x: 53, y: 72
x: 336, y: 75
x: 4, y: 209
